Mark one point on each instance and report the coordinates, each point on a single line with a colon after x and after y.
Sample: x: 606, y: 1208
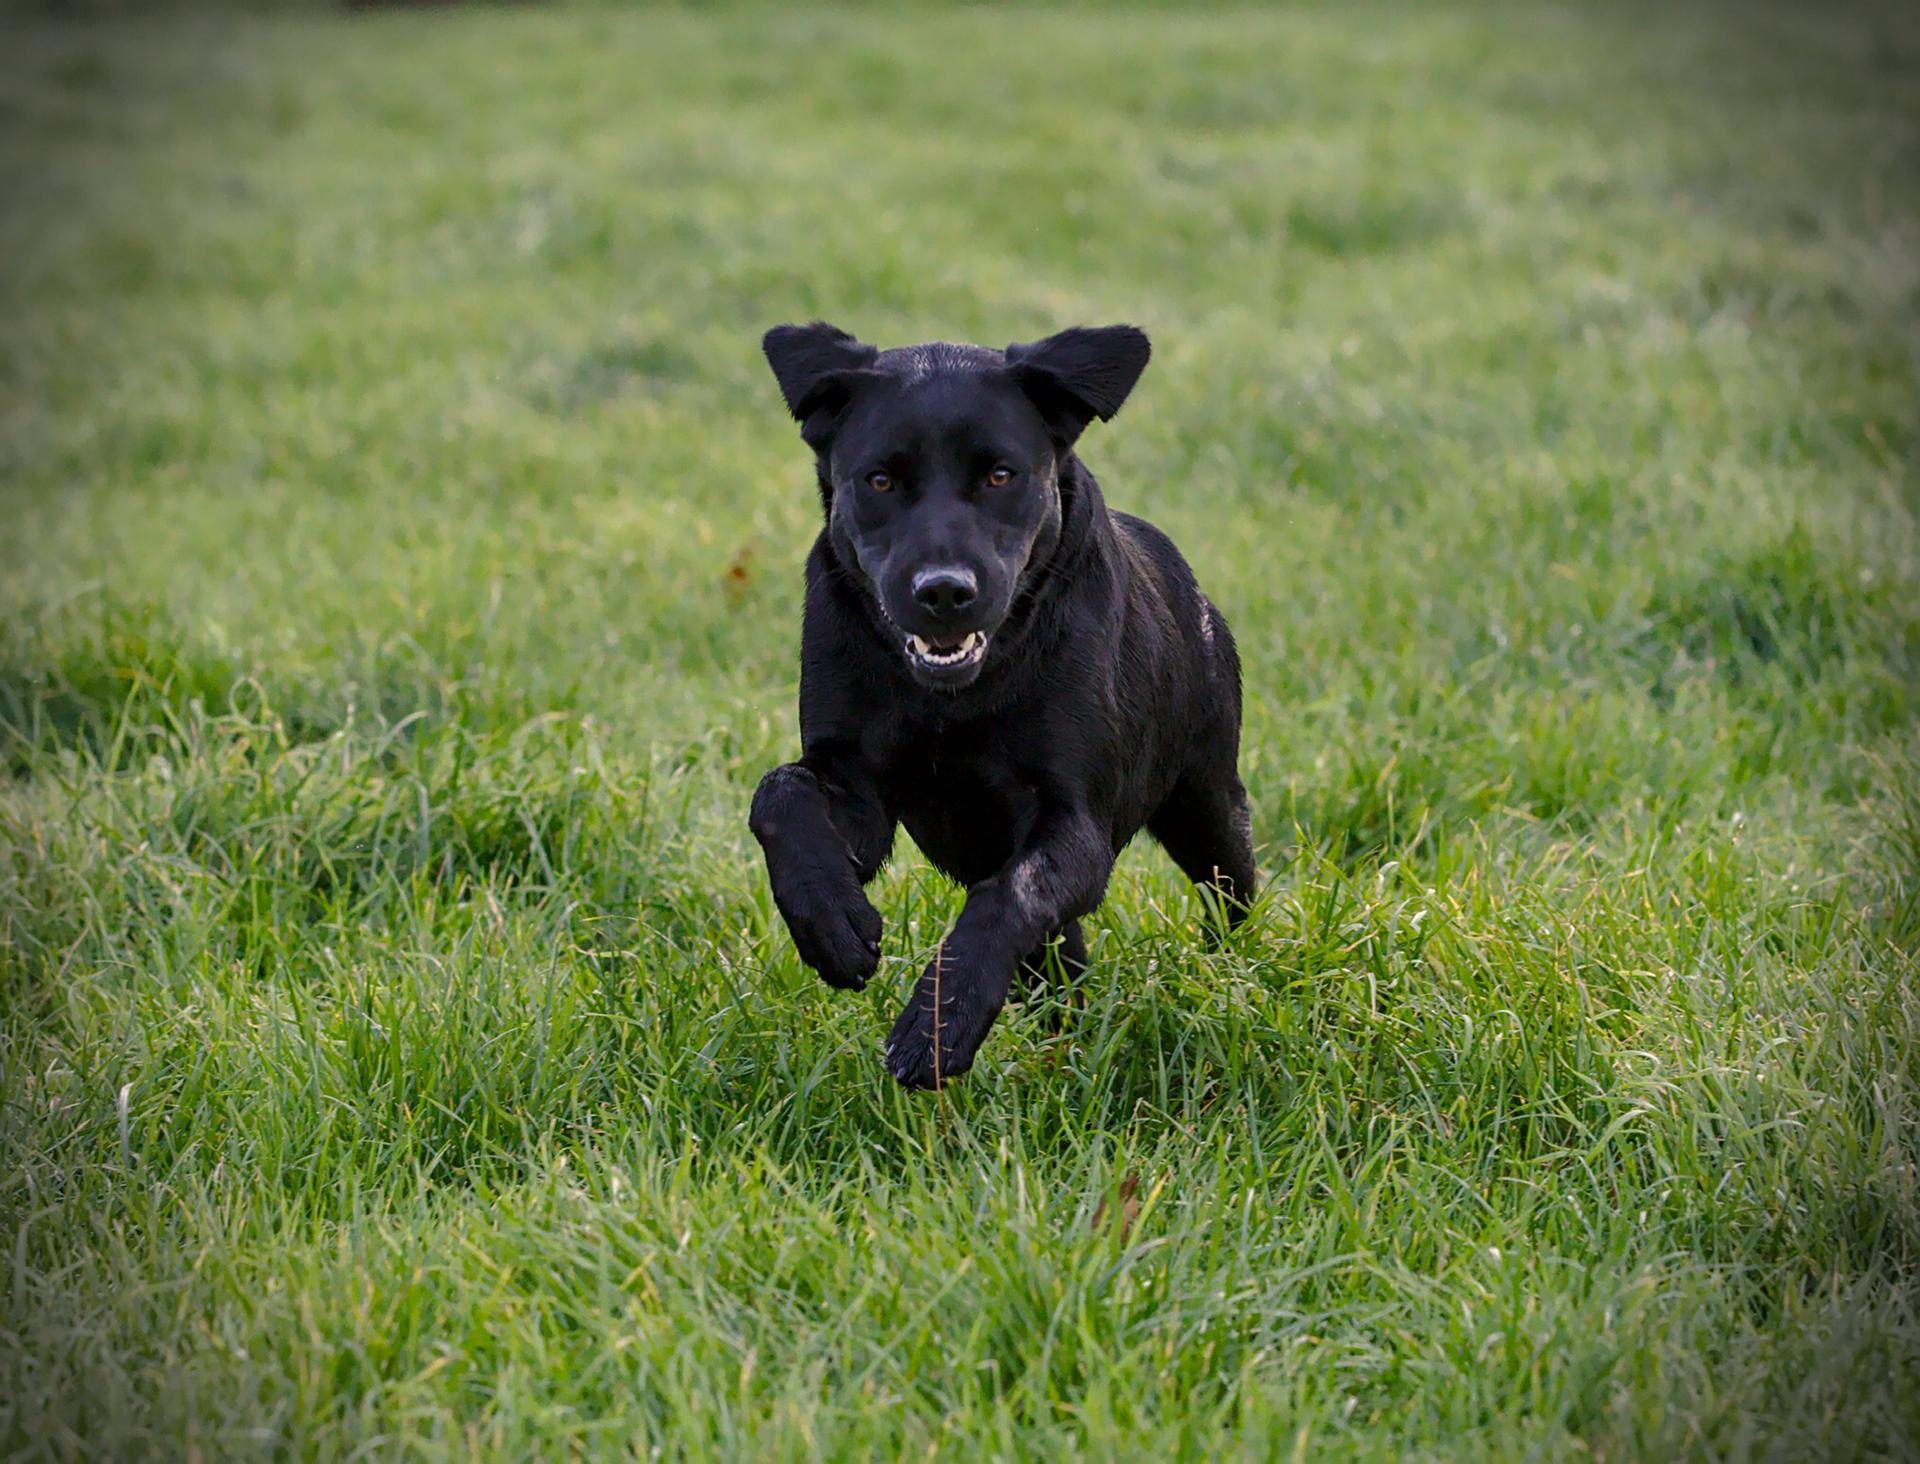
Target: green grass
x: 398, y: 1049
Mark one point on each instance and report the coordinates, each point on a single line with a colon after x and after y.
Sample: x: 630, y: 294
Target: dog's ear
x: 817, y: 366
x: 1080, y: 374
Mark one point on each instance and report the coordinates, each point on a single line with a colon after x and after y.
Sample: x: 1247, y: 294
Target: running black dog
x: 993, y: 658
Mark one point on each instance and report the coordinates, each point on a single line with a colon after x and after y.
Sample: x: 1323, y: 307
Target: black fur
x: 1107, y: 697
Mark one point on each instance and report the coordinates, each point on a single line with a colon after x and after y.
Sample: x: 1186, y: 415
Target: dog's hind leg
x: 1205, y: 826
x: 1056, y: 966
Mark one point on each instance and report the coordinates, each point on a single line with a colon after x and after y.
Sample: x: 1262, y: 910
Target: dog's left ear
x: 818, y: 367
x: 1080, y: 374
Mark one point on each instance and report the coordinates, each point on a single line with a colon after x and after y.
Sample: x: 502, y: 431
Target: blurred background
x: 409, y: 355
x: 399, y: 596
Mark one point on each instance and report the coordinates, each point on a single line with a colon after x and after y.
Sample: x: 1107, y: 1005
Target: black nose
x: 944, y: 592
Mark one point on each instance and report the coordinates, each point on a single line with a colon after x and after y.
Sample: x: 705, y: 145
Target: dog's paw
x: 923, y: 1052
x: 837, y: 933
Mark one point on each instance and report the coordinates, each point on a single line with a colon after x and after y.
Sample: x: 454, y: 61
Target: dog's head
x: 939, y: 465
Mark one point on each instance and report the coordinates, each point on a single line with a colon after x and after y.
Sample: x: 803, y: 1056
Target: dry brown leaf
x: 1129, y: 1197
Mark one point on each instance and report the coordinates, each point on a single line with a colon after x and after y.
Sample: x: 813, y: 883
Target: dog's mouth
x: 933, y: 655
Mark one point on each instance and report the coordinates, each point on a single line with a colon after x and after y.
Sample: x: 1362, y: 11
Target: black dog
x: 991, y: 657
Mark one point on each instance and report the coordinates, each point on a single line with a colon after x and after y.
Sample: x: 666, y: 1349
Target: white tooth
x: 967, y: 650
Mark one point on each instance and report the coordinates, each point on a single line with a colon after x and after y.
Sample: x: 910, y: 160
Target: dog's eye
x: 880, y: 482
x: 1000, y: 476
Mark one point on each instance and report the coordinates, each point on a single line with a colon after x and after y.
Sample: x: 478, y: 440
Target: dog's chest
x: 963, y: 804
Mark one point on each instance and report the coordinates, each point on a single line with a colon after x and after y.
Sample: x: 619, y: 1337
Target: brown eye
x: 1000, y: 476
x: 879, y: 482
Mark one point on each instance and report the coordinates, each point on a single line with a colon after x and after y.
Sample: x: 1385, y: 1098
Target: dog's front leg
x: 1058, y: 874
x: 825, y: 831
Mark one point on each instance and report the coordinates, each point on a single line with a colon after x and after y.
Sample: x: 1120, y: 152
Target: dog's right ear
x: 1080, y: 374
x: 817, y: 366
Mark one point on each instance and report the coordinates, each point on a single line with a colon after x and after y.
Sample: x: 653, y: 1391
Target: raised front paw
x: 935, y: 1039
x: 835, y: 928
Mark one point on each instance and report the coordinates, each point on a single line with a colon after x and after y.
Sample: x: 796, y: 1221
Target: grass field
x: 400, y: 1053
